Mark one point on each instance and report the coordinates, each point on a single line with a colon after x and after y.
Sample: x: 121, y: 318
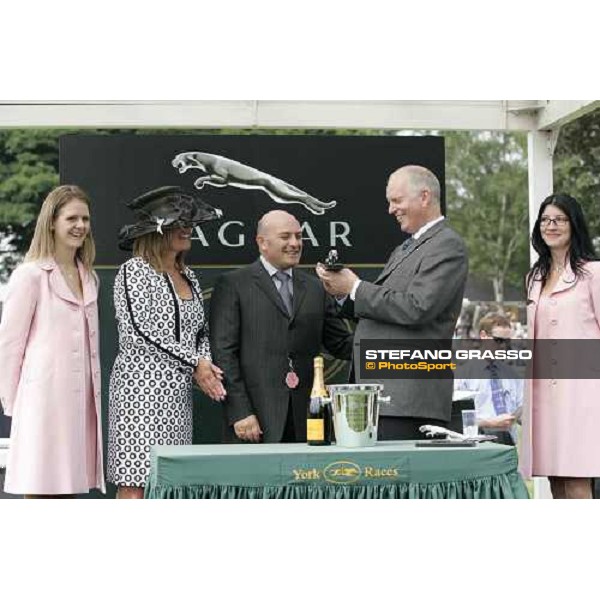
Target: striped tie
x: 284, y: 290
x: 498, y: 399
x: 408, y: 243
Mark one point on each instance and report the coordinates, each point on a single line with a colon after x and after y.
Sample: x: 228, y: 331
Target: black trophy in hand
x: 332, y: 262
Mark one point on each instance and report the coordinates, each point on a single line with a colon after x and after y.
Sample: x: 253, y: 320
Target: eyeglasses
x: 558, y: 221
x: 501, y: 340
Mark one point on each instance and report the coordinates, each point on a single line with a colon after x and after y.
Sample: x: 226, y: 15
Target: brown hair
x: 42, y: 244
x: 153, y: 246
x: 491, y: 320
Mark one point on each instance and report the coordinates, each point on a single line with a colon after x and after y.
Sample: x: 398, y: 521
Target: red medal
x: 291, y: 380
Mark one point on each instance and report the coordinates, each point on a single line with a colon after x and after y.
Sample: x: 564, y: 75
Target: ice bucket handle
x: 384, y: 399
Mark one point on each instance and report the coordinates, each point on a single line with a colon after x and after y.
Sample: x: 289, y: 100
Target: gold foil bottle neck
x: 318, y: 387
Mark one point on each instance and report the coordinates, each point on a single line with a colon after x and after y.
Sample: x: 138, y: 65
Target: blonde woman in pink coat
x: 561, y: 416
x: 49, y: 364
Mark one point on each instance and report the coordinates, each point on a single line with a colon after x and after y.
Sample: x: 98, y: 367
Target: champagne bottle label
x: 315, y: 430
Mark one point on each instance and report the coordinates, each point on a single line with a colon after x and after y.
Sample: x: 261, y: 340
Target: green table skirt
x: 279, y: 471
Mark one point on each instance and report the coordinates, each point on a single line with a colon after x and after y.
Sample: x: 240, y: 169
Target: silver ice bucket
x: 355, y: 409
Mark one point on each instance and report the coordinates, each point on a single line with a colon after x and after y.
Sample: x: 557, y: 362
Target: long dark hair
x: 580, y: 250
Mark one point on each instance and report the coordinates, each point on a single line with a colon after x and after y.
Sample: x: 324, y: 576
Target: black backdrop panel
x: 351, y: 170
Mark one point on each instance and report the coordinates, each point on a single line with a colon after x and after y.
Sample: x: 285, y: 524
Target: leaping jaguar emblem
x: 221, y: 172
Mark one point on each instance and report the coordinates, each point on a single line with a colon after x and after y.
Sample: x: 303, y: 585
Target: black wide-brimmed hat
x: 164, y: 208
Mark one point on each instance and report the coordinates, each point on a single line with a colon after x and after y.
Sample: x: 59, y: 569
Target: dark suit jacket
x: 252, y: 337
x: 417, y: 296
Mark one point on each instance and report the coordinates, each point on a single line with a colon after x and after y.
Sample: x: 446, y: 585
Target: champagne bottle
x: 318, y: 421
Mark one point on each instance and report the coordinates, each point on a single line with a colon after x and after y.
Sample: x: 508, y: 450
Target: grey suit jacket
x: 252, y: 337
x: 418, y: 295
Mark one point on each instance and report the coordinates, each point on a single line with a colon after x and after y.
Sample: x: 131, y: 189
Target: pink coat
x: 50, y: 382
x: 565, y: 441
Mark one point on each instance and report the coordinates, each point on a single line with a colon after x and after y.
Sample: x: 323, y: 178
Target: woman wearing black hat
x: 163, y: 337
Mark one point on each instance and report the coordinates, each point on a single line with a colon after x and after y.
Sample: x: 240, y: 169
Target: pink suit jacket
x: 574, y: 404
x: 42, y: 380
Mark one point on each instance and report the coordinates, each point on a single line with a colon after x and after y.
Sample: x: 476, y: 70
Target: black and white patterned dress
x: 161, y: 339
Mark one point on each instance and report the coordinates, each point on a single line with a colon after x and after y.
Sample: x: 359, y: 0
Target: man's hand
x: 338, y: 283
x: 248, y: 429
x: 502, y: 422
x: 209, y: 378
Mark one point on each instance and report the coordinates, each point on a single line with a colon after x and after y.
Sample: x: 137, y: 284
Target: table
x: 387, y: 470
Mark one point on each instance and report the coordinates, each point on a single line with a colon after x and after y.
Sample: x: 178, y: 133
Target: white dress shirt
x: 513, y: 389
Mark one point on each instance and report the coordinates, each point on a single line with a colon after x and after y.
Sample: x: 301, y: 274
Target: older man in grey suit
x: 417, y: 296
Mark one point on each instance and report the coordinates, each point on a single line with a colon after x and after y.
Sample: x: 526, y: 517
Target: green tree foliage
x: 486, y: 193
x: 28, y: 171
x: 577, y: 166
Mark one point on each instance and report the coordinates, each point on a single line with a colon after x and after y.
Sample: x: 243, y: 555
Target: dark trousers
x: 404, y: 428
x: 289, y: 431
x: 4, y: 425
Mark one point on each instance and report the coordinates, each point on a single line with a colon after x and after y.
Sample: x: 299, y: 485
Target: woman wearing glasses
x: 560, y: 432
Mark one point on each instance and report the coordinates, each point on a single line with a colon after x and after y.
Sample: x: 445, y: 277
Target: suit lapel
x: 399, y: 256
x: 61, y: 288
x: 89, y: 285
x: 390, y: 265
x: 265, y: 283
x: 567, y: 280
x: 57, y: 282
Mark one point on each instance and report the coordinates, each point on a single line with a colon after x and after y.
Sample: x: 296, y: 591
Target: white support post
x: 540, y: 146
x: 540, y: 150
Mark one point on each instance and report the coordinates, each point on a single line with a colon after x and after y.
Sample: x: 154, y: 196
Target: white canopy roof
x: 513, y: 115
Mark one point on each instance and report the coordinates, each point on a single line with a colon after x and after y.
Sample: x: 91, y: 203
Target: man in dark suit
x: 267, y: 323
x: 417, y: 296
